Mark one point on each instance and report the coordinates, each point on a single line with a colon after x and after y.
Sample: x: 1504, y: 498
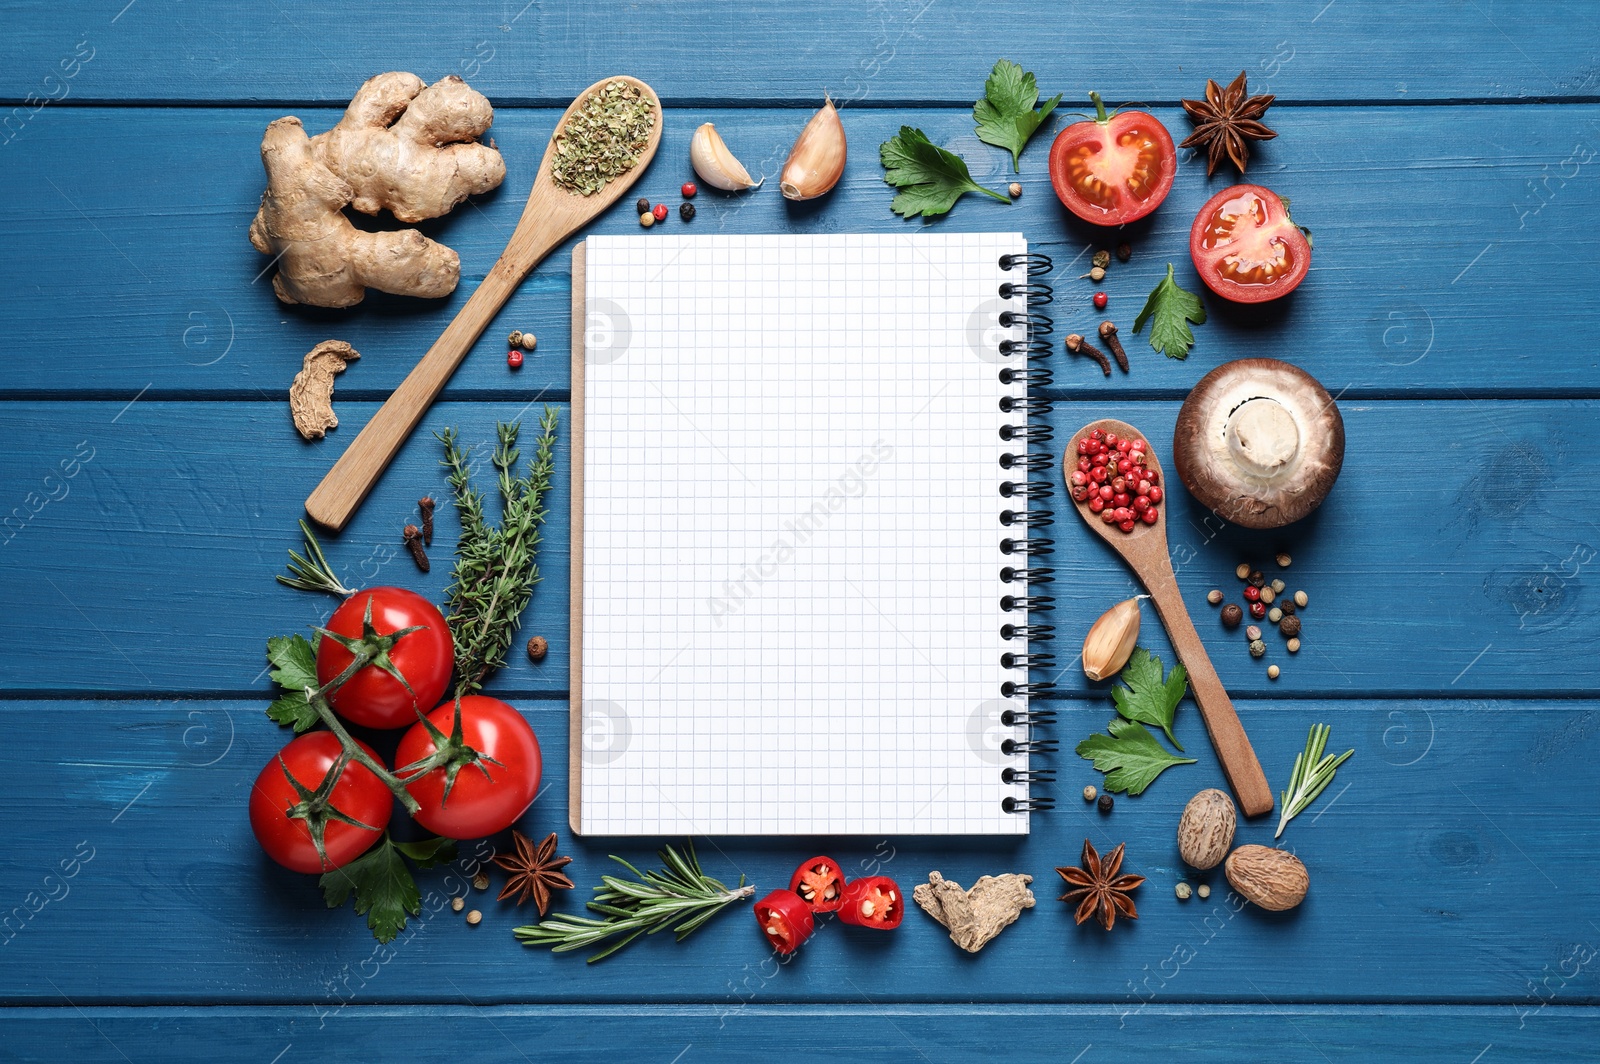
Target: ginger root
x: 311, y: 394
x: 322, y: 258
x: 974, y: 917
x: 412, y: 149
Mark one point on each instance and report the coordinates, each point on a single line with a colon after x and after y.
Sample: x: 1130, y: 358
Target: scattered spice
x: 660, y: 212
x: 480, y: 881
x: 529, y: 341
x: 425, y: 506
x: 538, y: 647
x: 1289, y: 627
x: 475, y: 918
x: 1096, y: 274
x: 1273, y: 672
x: 1278, y: 586
x: 1183, y: 891
x: 689, y: 190
x: 603, y: 138
x: 1232, y: 615
x: 1124, y: 252
x: 1108, y: 333
x: 1267, y: 595
x: 641, y: 206
x: 1257, y: 648
x: 1242, y: 570
x: 1225, y: 121
x: 1252, y: 593
x: 1283, y: 560
x: 1257, y: 579
x: 686, y: 211
x: 647, y: 219
x: 1258, y: 610
x: 515, y: 338
x: 1099, y: 890
x: 1101, y: 258
x: 514, y: 358
x: 1015, y: 188
x: 1100, y: 300
x: 1294, y: 646
x: 1275, y: 615
x: 1105, y: 803
x: 1089, y: 793
x: 1300, y: 598
x: 974, y: 917
x: 411, y: 535
x: 535, y: 871
x: 457, y: 904
x: 1204, y: 890
x: 1252, y: 633
x: 1214, y: 596
x: 1079, y: 346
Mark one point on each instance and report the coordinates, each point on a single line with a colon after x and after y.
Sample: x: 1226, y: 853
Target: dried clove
x: 1108, y: 333
x: 412, y: 535
x: 426, y: 505
x: 1079, y: 346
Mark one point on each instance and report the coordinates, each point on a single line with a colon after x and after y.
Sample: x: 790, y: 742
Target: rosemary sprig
x: 312, y: 572
x: 679, y: 896
x: 1312, y: 772
x: 495, y: 567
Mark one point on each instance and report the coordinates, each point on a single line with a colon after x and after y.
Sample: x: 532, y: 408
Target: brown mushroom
x: 1259, y: 441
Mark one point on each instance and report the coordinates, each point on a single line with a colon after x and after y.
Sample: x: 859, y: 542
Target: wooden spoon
x: 552, y: 214
x: 1145, y: 550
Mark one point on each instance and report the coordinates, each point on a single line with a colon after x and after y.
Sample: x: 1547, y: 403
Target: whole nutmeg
x: 1205, y: 831
x: 1273, y: 879
x: 1232, y: 615
x: 1289, y: 627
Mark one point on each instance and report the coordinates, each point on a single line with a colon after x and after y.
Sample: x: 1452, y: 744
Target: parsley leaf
x: 1130, y: 756
x: 296, y: 661
x: 1173, y: 309
x: 1005, y: 115
x: 384, y: 888
x: 1147, y: 698
x: 931, y: 179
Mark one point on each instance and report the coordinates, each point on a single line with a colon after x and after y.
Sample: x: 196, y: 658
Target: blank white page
x: 791, y: 546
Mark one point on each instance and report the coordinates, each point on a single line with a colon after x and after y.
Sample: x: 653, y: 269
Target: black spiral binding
x: 1022, y: 546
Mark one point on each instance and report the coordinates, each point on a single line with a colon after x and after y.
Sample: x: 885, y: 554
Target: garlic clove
x: 1111, y: 639
x: 715, y: 163
x: 816, y: 162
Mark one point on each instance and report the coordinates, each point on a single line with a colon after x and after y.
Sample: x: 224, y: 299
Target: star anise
x: 1100, y: 888
x: 1225, y: 120
x: 535, y: 871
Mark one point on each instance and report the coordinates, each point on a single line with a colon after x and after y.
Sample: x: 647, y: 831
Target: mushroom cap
x: 1259, y: 441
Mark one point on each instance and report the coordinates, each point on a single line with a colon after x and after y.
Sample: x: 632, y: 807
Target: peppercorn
x: 1256, y: 579
x: 1252, y: 633
x: 1089, y: 793
x: 457, y: 904
x: 1124, y: 252
x: 686, y: 211
x: 1105, y: 803
x: 1100, y: 300
x: 1257, y: 648
x: 1102, y: 258
x: 1267, y: 595
x: 1289, y: 627
x: 1286, y: 605
x: 642, y: 206
x: 1203, y: 890
x: 1232, y: 615
x: 529, y: 341
x: 689, y: 190
x: 660, y: 212
x: 1214, y: 596
x: 514, y: 358
x: 1300, y: 599
x: 1183, y: 891
x: 1273, y: 672
x: 475, y: 918
x: 1274, y: 615
x: 1242, y: 571
x: 1294, y: 646
x: 481, y: 881
x: 1252, y: 593
x: 515, y: 339
x: 1015, y: 189
x: 1278, y: 586
x: 538, y: 648
x: 1258, y: 610
x: 647, y: 219
x: 1097, y: 274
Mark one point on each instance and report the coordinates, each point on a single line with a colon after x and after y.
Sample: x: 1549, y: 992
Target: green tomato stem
x: 1099, y: 108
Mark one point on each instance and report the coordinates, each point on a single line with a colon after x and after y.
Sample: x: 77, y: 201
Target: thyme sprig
x: 495, y: 566
x: 680, y: 897
x: 1312, y: 772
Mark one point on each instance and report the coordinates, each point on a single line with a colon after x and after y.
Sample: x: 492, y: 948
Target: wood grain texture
x: 1474, y: 581
x: 1451, y: 258
x: 894, y: 1035
x: 900, y: 51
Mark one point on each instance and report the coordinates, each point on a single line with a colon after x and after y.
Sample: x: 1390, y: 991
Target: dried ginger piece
x: 974, y: 917
x: 311, y: 394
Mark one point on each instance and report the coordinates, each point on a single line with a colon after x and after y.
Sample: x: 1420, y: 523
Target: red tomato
x: 1113, y: 169
x: 358, y: 794
x: 372, y: 697
x: 785, y: 920
x: 873, y: 901
x: 1245, y: 246
x: 497, y: 773
x: 820, y: 884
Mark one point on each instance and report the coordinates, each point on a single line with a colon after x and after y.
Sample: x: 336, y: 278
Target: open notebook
x: 799, y: 476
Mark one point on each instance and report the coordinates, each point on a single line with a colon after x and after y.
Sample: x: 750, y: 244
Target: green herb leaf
x: 296, y: 661
x: 1006, y: 117
x: 1147, y: 698
x: 1173, y: 309
x: 1312, y: 772
x: 429, y: 853
x: 930, y: 178
x: 383, y: 887
x: 1130, y: 756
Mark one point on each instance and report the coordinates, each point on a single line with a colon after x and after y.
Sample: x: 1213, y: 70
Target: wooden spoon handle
x: 1233, y: 747
x: 369, y: 454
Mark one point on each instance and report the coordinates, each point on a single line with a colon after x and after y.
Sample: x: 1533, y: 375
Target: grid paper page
x: 791, y: 599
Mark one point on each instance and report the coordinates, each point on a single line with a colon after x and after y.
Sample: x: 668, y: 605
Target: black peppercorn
x: 1124, y: 252
x: 1232, y: 615
x: 1105, y: 803
x: 642, y: 207
x: 1257, y: 578
x: 686, y: 211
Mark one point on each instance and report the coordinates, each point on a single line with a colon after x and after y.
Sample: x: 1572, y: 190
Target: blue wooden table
x: 1447, y: 157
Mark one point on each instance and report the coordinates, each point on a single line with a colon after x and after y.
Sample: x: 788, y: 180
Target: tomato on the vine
x: 491, y: 775
x: 1113, y: 168
x: 367, y: 623
x: 359, y: 794
x: 1246, y: 247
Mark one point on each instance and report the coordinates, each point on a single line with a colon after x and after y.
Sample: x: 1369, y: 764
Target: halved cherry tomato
x: 1246, y: 247
x: 873, y: 901
x: 1114, y: 168
x: 820, y: 884
x: 785, y: 920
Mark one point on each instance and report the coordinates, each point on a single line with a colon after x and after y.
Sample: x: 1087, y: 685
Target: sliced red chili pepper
x: 873, y: 901
x: 785, y: 920
x: 820, y: 884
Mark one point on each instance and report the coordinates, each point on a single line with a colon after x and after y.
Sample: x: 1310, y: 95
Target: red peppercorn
x: 514, y: 358
x: 1100, y: 302
x: 1258, y: 610
x: 660, y: 212
x: 689, y: 190
x: 1096, y: 504
x: 1149, y: 516
x: 1084, y: 465
x: 1252, y: 593
x: 1154, y: 493
x: 1126, y: 526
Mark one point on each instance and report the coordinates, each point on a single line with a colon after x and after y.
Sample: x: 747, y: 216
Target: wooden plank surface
x: 1449, y: 261
x: 1448, y: 814
x: 888, y: 52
